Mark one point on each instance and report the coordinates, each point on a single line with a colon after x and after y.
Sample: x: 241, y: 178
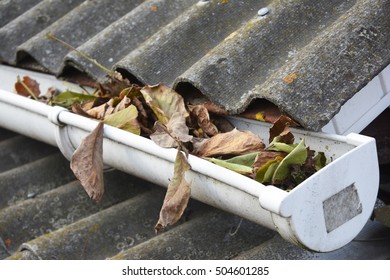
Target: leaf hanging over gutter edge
x: 87, y: 163
x: 177, y: 196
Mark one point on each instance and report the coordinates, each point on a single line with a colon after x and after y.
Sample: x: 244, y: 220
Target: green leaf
x: 246, y: 160
x: 265, y: 173
x: 281, y: 147
x: 239, y: 168
x: 297, y: 156
x: 125, y: 119
x: 319, y: 161
x: 164, y: 102
x: 67, y: 98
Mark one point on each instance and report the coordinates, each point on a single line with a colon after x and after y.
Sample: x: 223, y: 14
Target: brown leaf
x: 200, y: 115
x: 114, y: 85
x: 51, y: 92
x: 177, y: 196
x: 234, y: 142
x: 266, y: 156
x: 27, y: 87
x: 282, y: 128
x: 105, y: 109
x: 78, y: 109
x: 164, y: 102
x: 87, y: 163
x: 173, y: 133
x: 123, y: 104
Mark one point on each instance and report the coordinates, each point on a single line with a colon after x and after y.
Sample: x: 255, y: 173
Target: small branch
x: 27, y: 88
x: 52, y: 37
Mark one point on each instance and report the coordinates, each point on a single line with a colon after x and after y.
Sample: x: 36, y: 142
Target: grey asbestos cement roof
x: 46, y: 214
x: 307, y: 57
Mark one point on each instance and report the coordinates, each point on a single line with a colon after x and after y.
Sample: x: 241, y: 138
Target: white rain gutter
x: 323, y: 213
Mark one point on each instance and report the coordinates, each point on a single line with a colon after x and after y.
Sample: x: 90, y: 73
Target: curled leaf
x: 280, y: 146
x: 319, y: 161
x: 164, y: 102
x: 247, y: 159
x: 265, y: 156
x: 239, y: 168
x: 282, y: 128
x: 200, y: 115
x: 125, y: 119
x: 297, y: 156
x: 234, y: 142
x: 265, y: 173
x: 177, y: 196
x: 173, y: 133
x: 87, y: 163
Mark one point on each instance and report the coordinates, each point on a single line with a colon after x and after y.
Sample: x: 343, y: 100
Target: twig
x: 27, y: 88
x: 52, y: 37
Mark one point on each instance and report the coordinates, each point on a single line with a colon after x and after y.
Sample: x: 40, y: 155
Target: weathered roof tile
x: 303, y: 56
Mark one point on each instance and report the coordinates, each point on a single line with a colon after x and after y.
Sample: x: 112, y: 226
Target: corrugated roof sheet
x: 306, y: 57
x: 46, y: 214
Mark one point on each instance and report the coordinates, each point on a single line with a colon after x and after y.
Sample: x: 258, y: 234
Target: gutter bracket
x: 61, y: 132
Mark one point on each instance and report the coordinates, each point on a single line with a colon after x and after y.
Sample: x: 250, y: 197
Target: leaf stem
x: 27, y: 88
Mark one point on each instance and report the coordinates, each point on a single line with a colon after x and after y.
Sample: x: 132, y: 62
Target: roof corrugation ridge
x: 250, y: 55
x: 76, y: 27
x: 37, y: 178
x: 61, y: 206
x: 124, y: 35
x: 214, y: 235
x: 303, y: 56
x: 102, y: 234
x: 180, y: 44
x: 333, y: 67
x: 372, y: 243
x: 27, y: 150
x: 28, y: 24
x: 12, y: 9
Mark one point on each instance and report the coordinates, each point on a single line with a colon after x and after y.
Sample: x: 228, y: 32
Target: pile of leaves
x: 159, y: 113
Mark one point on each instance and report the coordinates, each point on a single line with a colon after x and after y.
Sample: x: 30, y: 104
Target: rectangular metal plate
x: 341, y: 207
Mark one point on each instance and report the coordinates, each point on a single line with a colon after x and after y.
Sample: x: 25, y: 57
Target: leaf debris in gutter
x: 159, y: 113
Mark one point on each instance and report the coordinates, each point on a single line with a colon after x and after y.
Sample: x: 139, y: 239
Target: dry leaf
x: 125, y: 119
x: 174, y: 132
x: 27, y: 87
x: 282, y: 128
x: 98, y: 112
x: 234, y: 142
x: 177, y: 196
x: 266, y: 156
x: 87, y: 163
x: 123, y: 104
x: 200, y: 115
x: 164, y: 102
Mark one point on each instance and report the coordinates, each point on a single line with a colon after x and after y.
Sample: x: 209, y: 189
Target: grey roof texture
x: 307, y: 57
x: 46, y: 214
